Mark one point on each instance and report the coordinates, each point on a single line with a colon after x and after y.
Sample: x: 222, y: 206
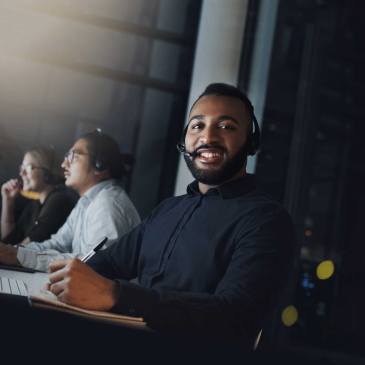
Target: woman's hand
x: 10, y: 190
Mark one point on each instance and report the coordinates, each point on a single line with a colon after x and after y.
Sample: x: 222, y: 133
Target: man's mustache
x: 204, y: 146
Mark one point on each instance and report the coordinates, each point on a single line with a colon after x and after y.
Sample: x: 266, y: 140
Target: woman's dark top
x: 39, y: 222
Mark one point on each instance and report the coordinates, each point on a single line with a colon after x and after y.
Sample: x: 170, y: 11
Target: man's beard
x: 216, y: 177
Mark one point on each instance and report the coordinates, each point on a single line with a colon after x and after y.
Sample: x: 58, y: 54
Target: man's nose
x: 65, y: 163
x: 210, y: 134
x: 22, y: 172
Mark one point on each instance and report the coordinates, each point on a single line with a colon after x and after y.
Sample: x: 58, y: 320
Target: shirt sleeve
x: 60, y: 242
x: 121, y: 259
x: 104, y: 219
x: 40, y: 261
x: 107, y: 218
x: 251, y: 287
x: 52, y: 216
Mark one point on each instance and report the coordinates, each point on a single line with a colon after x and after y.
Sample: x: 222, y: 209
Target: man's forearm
x: 7, y: 219
x: 199, y: 314
x: 40, y: 261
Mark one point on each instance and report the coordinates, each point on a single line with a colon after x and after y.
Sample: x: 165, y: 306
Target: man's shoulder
x: 112, y: 196
x: 264, y: 209
x: 259, y: 199
x: 257, y: 206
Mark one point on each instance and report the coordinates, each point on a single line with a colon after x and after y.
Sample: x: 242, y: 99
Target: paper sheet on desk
x: 46, y: 297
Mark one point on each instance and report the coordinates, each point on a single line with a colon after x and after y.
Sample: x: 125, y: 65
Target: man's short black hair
x: 108, y: 149
x: 221, y: 89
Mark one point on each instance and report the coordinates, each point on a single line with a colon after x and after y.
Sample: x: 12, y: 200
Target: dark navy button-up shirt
x: 213, y: 264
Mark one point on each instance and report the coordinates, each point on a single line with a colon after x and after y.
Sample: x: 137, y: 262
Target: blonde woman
x: 41, y: 173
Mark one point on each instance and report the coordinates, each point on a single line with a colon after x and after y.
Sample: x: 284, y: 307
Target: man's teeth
x: 210, y: 155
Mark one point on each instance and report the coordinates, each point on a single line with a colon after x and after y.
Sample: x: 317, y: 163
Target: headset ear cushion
x: 253, y: 142
x: 48, y: 177
x: 184, y: 135
x: 101, y: 163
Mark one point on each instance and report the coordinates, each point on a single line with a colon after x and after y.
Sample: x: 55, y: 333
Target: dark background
x: 312, y: 160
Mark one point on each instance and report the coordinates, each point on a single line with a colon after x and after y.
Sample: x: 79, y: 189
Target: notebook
x: 46, y: 299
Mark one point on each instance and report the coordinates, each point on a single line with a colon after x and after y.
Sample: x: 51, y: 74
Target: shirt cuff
x: 27, y: 258
x: 134, y: 300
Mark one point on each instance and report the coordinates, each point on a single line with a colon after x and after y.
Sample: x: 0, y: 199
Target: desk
x: 36, y: 280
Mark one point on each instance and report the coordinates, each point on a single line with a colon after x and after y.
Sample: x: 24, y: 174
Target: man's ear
x: 101, y: 173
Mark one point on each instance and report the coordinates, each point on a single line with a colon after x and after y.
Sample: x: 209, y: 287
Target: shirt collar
x: 95, y: 190
x: 230, y: 190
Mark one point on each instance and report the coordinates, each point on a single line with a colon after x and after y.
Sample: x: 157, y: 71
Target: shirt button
x: 132, y: 311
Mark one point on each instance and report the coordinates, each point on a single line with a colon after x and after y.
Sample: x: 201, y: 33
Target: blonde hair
x: 47, y: 158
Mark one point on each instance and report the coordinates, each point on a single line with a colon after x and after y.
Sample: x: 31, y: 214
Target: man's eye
x: 226, y: 126
x: 196, y: 126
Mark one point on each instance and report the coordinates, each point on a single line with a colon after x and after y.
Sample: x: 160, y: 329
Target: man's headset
x: 101, y: 162
x: 253, y: 139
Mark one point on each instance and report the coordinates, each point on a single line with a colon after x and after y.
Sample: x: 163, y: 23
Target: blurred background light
x: 325, y: 270
x: 289, y: 315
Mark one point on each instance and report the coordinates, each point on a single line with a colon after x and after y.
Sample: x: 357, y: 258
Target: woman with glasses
x: 40, y: 173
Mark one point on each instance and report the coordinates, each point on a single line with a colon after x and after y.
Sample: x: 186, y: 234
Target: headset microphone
x: 181, y: 148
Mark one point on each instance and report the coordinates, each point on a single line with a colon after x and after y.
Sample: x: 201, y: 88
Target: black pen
x: 95, y: 249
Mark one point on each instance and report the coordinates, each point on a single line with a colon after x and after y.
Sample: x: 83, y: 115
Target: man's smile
x: 209, y: 155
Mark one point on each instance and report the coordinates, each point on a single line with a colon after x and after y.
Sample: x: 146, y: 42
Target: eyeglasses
x: 28, y: 168
x: 69, y: 156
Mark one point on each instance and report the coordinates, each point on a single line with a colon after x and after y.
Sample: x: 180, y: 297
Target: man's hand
x: 10, y: 190
x: 75, y: 283
x: 8, y: 255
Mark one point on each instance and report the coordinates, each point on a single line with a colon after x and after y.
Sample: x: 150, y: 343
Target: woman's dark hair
x: 105, y: 154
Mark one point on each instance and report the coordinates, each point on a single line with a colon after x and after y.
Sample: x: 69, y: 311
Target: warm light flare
x: 289, y: 315
x: 325, y: 270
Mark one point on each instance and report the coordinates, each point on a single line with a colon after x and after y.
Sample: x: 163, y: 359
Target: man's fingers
x: 47, y: 286
x: 57, y: 288
x: 57, y: 276
x: 58, y: 265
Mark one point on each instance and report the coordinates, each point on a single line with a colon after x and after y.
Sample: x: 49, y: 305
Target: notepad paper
x: 46, y: 297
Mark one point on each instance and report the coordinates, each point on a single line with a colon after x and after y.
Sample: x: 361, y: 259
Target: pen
x: 95, y: 249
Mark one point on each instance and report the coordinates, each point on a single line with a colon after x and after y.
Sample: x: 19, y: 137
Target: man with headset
x: 92, y: 168
x: 213, y: 262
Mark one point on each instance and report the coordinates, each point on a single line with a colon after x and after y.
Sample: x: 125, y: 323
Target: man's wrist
x: 113, y: 289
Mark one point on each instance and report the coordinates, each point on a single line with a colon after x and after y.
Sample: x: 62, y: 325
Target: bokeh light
x: 325, y: 270
x: 308, y: 233
x: 289, y: 315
